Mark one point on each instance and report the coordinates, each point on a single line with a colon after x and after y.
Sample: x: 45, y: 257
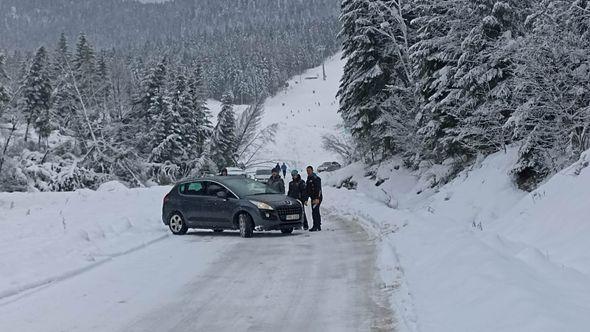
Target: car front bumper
x: 271, y: 221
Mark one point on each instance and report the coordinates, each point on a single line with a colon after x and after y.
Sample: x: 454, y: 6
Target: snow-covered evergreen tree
x: 84, y: 68
x: 553, y: 82
x: 442, y: 26
x: 4, y: 98
x: 37, y: 95
x: 65, y: 102
x: 224, y: 136
x: 148, y: 106
x: 375, y: 47
x: 169, y: 139
x: 485, y: 75
x: 198, y: 120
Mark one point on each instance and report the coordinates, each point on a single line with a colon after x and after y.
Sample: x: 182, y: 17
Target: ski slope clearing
x: 305, y: 111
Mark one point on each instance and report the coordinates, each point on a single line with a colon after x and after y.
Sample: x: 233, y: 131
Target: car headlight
x: 262, y: 206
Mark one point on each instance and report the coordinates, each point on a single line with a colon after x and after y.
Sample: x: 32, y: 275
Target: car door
x: 194, y: 197
x: 220, y: 210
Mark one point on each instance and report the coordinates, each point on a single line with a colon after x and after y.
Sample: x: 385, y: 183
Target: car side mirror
x: 222, y: 194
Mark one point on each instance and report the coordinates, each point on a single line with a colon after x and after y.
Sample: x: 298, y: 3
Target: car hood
x: 272, y: 199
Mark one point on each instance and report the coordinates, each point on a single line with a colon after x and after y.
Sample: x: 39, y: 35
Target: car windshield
x: 247, y: 187
x: 263, y: 172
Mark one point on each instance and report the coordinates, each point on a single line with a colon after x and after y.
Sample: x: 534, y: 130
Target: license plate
x: 293, y: 217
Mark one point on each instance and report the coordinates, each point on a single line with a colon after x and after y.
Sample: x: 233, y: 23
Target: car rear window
x: 192, y: 189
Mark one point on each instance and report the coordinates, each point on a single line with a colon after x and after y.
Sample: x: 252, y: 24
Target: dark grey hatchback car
x: 229, y: 203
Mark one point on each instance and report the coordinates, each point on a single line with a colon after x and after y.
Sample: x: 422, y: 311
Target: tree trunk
x: 27, y: 130
x: 5, y: 149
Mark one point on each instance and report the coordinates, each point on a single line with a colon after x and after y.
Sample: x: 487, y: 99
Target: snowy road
x: 204, y: 282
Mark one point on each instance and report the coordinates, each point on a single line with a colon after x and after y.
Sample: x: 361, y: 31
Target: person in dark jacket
x: 297, y: 191
x: 284, y: 169
x: 276, y: 182
x: 313, y: 188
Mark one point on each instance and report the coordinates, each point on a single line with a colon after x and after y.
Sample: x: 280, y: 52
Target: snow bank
x: 477, y: 254
x: 50, y: 236
x: 555, y: 219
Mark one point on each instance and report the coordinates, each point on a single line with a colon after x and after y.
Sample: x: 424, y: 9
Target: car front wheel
x: 177, y: 224
x: 246, y: 225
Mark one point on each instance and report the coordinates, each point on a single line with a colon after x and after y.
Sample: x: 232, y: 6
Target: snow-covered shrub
x: 12, y: 178
x: 165, y: 173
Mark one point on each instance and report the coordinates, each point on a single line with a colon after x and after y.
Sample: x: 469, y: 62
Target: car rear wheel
x: 287, y: 230
x: 246, y: 225
x: 177, y: 224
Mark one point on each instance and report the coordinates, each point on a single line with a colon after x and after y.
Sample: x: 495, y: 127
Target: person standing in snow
x: 276, y: 182
x: 297, y: 191
x: 284, y: 169
x: 278, y: 166
x: 314, y: 192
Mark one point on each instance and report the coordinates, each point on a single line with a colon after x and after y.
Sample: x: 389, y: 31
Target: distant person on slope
x: 276, y: 182
x: 314, y: 192
x: 297, y: 191
x: 284, y: 169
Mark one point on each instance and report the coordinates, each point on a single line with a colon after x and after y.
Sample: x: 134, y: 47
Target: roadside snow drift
x: 47, y: 237
x: 477, y: 254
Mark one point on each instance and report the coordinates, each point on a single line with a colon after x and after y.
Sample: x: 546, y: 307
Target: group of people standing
x: 311, y: 189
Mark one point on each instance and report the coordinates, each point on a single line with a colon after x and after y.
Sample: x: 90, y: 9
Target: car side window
x: 214, y: 188
x: 193, y: 189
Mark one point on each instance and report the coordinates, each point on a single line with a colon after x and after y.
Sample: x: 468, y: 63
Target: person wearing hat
x: 297, y: 191
x: 276, y: 182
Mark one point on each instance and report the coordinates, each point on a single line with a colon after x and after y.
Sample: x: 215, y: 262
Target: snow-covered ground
x: 478, y: 254
x: 474, y: 255
x: 47, y: 237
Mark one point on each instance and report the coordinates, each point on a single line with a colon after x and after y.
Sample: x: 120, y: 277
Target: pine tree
x: 168, y: 139
x: 84, y: 67
x: 553, y: 120
x: 200, y: 124
x: 65, y: 101
x: 103, y: 87
x: 375, y: 47
x: 485, y: 75
x: 147, y: 107
x: 441, y: 27
x: 62, y: 57
x: 223, y: 146
x: 4, y: 98
x: 37, y: 95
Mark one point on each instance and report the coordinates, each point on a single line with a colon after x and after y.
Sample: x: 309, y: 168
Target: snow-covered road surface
x: 323, y: 281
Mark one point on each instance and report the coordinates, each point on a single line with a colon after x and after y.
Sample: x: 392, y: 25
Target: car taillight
x: 166, y: 198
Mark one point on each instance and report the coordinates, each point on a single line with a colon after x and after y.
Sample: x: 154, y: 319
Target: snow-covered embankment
x: 47, y: 237
x: 477, y: 254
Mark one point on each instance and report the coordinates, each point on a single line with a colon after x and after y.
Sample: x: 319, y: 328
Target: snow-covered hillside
x: 306, y: 110
x: 478, y: 254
